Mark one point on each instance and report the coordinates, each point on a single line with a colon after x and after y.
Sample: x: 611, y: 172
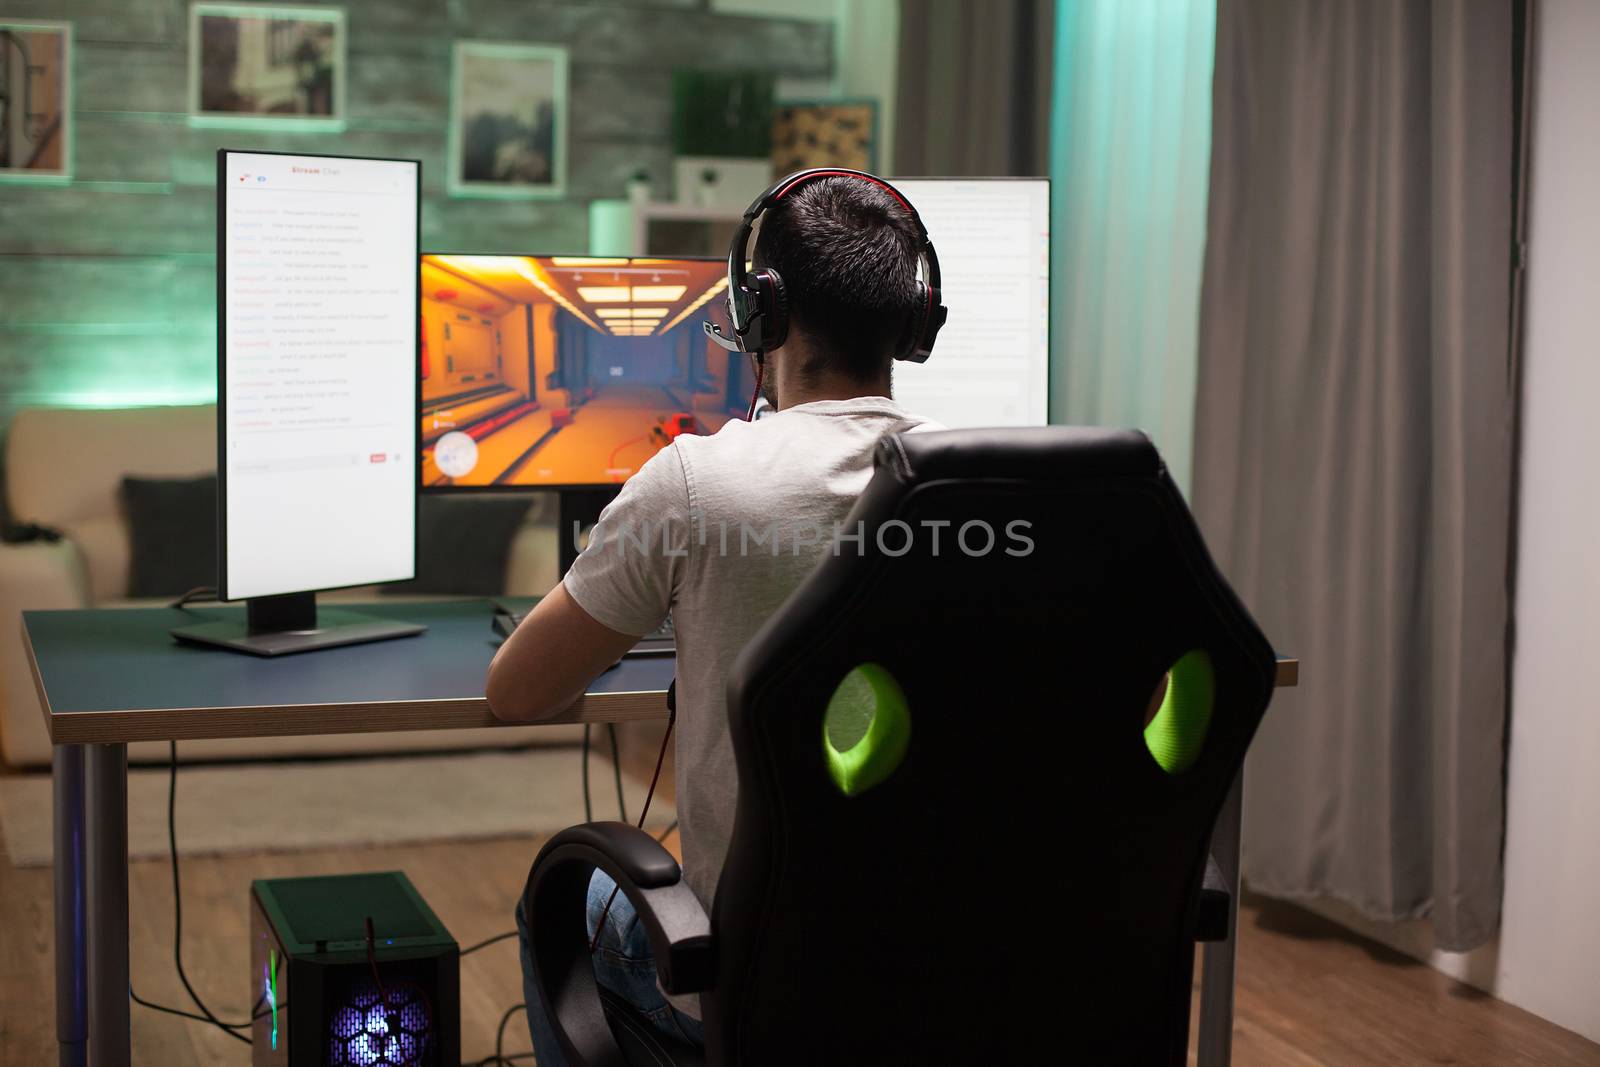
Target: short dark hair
x: 847, y: 252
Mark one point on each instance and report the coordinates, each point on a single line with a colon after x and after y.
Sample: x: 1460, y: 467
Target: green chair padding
x: 865, y: 730
x: 1178, y: 732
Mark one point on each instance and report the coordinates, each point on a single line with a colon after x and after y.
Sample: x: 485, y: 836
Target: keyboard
x: 663, y: 641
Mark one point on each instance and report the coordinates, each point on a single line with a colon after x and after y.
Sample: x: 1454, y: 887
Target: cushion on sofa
x: 463, y: 543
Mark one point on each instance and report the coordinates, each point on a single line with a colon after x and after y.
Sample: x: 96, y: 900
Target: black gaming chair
x: 985, y: 856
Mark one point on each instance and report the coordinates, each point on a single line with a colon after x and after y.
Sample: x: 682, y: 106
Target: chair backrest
x: 1008, y: 862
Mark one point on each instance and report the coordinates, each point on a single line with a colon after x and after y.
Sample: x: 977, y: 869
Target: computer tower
x: 316, y: 996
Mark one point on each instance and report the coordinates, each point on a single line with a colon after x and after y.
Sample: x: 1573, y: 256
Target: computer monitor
x: 990, y: 366
x: 567, y: 372
x: 316, y: 391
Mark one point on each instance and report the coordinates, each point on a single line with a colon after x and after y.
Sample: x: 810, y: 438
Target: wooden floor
x: 1308, y: 992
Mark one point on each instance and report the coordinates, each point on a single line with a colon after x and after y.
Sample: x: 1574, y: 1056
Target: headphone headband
x: 758, y: 304
x: 783, y: 186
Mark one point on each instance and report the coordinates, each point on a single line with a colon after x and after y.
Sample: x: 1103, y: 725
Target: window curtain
x: 973, y: 88
x: 1354, y: 437
x: 1130, y: 145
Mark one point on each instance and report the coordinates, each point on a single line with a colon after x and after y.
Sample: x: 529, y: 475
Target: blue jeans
x: 622, y: 964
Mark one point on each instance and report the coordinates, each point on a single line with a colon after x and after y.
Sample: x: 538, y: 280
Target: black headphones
x: 759, y: 306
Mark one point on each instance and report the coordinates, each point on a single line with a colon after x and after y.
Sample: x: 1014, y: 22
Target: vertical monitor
x: 567, y: 371
x: 317, y: 333
x: 990, y: 366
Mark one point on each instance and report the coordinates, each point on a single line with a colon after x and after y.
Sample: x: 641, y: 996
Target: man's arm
x: 628, y: 582
x: 550, y: 659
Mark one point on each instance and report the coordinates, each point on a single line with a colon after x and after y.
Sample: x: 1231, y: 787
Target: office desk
x: 108, y: 677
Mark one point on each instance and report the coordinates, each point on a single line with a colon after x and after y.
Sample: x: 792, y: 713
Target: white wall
x: 1550, y: 938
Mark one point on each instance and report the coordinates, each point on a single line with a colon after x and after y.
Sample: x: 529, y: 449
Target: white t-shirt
x: 720, y: 530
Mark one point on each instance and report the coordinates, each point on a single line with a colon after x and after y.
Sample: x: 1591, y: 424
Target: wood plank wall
x: 107, y: 285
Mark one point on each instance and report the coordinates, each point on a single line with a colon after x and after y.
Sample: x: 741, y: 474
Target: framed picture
x: 35, y: 101
x: 827, y: 133
x: 255, y: 66
x: 722, y: 114
x: 508, y: 120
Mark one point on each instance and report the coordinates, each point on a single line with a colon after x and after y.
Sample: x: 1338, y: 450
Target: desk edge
x: 38, y: 679
x: 289, y: 720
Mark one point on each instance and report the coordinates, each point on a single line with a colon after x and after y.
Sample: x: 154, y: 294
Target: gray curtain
x: 1354, y: 434
x: 973, y: 92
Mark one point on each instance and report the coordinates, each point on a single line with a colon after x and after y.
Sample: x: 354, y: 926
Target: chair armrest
x: 555, y: 901
x: 640, y: 857
x: 1216, y: 905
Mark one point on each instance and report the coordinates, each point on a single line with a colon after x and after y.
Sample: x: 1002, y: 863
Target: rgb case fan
x: 318, y: 1002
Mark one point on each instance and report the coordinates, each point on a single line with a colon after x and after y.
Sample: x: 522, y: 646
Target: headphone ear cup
x: 934, y: 321
x: 774, y: 307
x: 929, y: 317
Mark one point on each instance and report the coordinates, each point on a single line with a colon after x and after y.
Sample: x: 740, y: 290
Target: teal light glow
x: 1130, y: 152
x: 95, y: 365
x: 269, y: 983
x: 117, y: 398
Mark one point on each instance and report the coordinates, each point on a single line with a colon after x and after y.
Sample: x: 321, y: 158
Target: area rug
x: 280, y: 807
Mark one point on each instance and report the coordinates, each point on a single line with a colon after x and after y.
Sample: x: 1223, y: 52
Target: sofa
x: 64, y: 471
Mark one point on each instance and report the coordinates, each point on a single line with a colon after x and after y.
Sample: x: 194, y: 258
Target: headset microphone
x: 714, y: 332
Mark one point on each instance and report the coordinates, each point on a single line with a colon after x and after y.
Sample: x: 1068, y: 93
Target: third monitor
x: 543, y: 372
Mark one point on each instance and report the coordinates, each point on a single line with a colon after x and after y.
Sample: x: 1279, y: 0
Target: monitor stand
x: 580, y: 510
x: 280, y: 625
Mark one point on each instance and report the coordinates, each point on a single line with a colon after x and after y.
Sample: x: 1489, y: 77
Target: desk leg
x: 1215, y: 1048
x: 72, y: 1006
x: 108, y: 906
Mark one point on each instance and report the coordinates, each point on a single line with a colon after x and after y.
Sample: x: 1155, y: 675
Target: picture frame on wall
x: 267, y: 66
x: 508, y: 120
x: 36, y: 128
x: 825, y: 133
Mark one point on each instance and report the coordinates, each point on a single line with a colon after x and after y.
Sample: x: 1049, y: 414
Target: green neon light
x: 95, y: 399
x: 868, y: 716
x: 1177, y: 734
x: 272, y: 992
